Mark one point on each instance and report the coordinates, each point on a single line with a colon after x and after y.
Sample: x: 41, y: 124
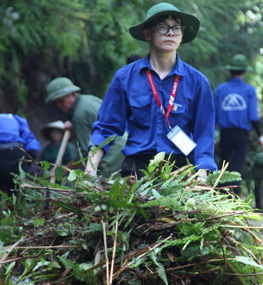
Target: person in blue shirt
x: 157, y: 94
x: 14, y: 134
x: 236, y: 110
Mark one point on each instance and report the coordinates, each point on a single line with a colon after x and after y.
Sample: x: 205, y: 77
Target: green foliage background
x: 88, y: 40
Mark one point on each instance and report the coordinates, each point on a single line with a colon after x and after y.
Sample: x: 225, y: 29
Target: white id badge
x: 181, y: 140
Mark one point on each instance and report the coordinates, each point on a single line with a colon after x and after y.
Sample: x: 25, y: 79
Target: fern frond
x: 66, y: 262
x: 171, y: 187
x: 164, y: 202
x: 226, y: 177
x: 81, y: 275
x: 162, y: 274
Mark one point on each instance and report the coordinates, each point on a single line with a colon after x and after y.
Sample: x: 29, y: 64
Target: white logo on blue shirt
x: 234, y: 102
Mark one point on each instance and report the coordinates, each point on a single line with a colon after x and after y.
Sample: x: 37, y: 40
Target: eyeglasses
x: 163, y: 29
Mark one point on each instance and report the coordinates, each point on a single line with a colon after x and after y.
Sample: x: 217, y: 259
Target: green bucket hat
x: 60, y: 87
x: 239, y: 62
x: 190, y: 22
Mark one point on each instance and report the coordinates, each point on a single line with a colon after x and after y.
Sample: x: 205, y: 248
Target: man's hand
x: 68, y: 126
x: 202, y: 175
x: 260, y: 141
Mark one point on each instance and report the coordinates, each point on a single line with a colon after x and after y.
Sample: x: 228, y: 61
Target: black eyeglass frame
x: 168, y: 28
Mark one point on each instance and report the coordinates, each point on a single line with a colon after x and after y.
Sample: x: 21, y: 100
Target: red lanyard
x: 156, y: 96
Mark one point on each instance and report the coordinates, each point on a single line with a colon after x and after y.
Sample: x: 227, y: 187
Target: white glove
x: 202, y: 175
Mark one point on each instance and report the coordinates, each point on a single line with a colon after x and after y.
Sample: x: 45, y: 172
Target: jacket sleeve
x: 112, y: 114
x: 253, y: 105
x: 30, y: 141
x: 204, y: 127
x: 216, y: 104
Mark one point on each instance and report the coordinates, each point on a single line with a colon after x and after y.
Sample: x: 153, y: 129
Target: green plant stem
x: 106, y: 251
x: 114, y: 249
x: 224, y: 167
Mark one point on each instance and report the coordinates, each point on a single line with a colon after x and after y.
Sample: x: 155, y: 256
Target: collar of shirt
x: 236, y: 79
x: 177, y: 69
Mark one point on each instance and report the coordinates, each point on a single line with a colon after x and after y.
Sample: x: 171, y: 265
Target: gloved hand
x: 202, y: 175
x: 260, y: 141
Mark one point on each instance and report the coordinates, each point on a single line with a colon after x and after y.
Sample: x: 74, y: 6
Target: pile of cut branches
x: 166, y: 228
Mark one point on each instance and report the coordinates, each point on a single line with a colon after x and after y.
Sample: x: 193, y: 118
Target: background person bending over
x: 236, y: 109
x: 130, y: 98
x: 82, y: 111
x: 14, y: 134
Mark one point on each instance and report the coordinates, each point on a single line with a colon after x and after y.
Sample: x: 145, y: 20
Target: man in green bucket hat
x: 167, y: 104
x: 236, y: 110
x: 82, y: 111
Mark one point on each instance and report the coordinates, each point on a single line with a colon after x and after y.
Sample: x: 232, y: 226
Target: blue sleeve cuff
x: 33, y: 145
x: 98, y: 139
x: 206, y: 163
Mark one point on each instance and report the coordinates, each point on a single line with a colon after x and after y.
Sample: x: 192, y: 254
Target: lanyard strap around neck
x: 156, y: 96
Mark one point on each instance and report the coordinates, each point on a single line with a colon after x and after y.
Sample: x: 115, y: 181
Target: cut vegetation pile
x: 166, y: 228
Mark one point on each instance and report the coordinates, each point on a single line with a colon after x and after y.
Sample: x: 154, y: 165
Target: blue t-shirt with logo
x: 235, y: 104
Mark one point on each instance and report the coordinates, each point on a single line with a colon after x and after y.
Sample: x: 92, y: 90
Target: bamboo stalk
x: 8, y: 251
x: 255, y: 237
x: 245, y: 274
x: 151, y: 248
x: 25, y: 185
x: 230, y: 214
x: 225, y: 262
x: 94, y: 267
x: 237, y: 274
x: 243, y: 227
x: 212, y: 215
x: 114, y: 249
x: 121, y: 269
x: 17, y: 258
x: 106, y: 253
x: 247, y: 229
x: 246, y: 249
x: 224, y: 167
x: 61, y: 151
x: 194, y: 264
x: 38, y: 247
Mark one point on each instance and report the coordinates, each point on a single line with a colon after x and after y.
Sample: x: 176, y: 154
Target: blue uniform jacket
x: 235, y: 104
x: 130, y: 98
x: 15, y: 129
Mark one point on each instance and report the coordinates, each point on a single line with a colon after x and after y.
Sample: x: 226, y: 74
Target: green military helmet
x: 239, y: 62
x: 60, y: 87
